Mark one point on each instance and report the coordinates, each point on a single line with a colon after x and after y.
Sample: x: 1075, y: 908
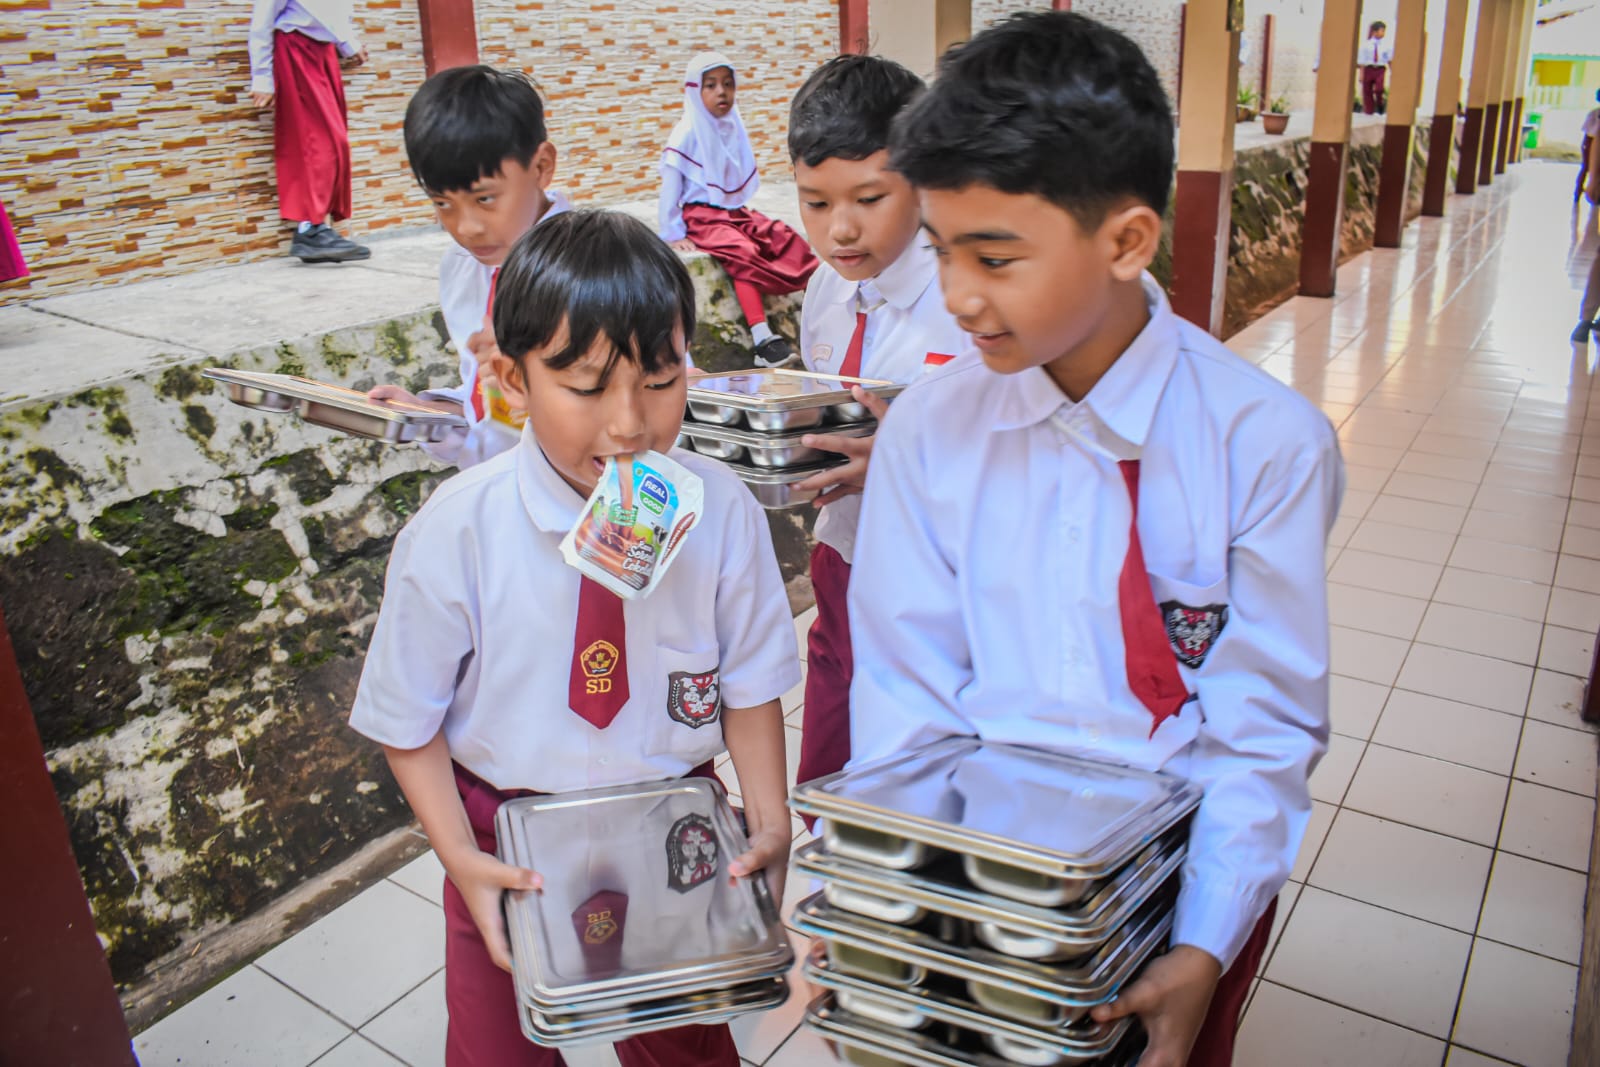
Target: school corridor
x: 1435, y: 915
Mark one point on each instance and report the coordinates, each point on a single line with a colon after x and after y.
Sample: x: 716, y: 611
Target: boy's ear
x: 1132, y: 234
x: 513, y: 382
x: 544, y: 164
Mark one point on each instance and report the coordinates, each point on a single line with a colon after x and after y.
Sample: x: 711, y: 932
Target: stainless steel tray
x: 774, y: 489
x: 866, y: 1043
x: 983, y: 800
x: 335, y: 407
x: 713, y: 1006
x: 662, y: 850
x: 874, y: 966
x: 780, y: 399
x: 1042, y: 994
x: 1085, y: 1042
x: 1004, y: 924
x: 778, y: 451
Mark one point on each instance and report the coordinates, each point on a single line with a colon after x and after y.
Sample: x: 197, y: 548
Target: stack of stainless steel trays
x: 754, y: 420
x: 638, y: 926
x: 335, y: 407
x: 978, y: 899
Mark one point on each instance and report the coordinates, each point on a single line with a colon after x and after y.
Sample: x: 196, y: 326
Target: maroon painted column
x: 1405, y: 93
x: 57, y: 1001
x: 1330, y: 149
x: 854, y: 37
x: 1203, y: 195
x: 1478, y: 92
x: 449, y: 34
x: 1494, y: 85
x: 1516, y: 127
x: 1447, y: 94
x: 1202, y: 217
x: 1491, y: 138
x: 1471, y: 140
x: 1507, y: 132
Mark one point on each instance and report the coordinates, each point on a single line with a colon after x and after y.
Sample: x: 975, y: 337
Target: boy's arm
x: 426, y: 778
x: 906, y: 630
x: 670, y: 208
x: 262, y: 15
x: 1264, y: 703
x: 755, y: 741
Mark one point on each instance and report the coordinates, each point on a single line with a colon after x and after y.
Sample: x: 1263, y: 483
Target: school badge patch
x: 691, y: 853
x: 599, y: 659
x: 601, y: 927
x: 1192, y: 631
x: 694, y: 699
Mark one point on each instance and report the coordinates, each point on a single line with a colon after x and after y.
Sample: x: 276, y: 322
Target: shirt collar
x: 1124, y: 399
x: 902, y: 283
x: 552, y: 504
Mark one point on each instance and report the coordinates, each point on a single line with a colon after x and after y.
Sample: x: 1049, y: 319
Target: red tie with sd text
x: 477, y: 378
x: 598, y: 923
x: 598, y: 685
x: 1152, y: 668
x: 851, y: 367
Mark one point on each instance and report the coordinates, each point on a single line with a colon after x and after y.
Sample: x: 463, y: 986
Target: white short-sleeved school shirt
x: 476, y: 632
x: 908, y: 331
x: 985, y: 600
x: 463, y: 301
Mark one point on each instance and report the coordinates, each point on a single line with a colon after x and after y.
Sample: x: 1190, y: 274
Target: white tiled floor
x: 1434, y: 916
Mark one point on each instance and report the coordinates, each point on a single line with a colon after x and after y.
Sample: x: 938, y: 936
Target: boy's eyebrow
x: 978, y: 237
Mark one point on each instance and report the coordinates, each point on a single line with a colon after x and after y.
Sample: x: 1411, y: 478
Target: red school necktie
x: 598, y: 685
x: 598, y: 922
x: 851, y: 367
x: 477, y: 378
x: 1152, y: 668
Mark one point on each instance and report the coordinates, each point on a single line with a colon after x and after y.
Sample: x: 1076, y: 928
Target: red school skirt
x: 311, y: 143
x: 751, y: 247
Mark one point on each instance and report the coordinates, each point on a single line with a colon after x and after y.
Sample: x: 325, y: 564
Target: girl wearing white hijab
x: 708, y: 175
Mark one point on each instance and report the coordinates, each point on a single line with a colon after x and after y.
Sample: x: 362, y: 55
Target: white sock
x: 761, y: 332
x: 306, y: 227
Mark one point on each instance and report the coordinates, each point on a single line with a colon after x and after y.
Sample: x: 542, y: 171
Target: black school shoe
x: 776, y: 351
x: 321, y: 244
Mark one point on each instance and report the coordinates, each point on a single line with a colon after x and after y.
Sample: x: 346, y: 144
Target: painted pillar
x: 449, y: 34
x: 1519, y: 87
x: 1269, y: 32
x: 1405, y: 94
x: 1207, y: 100
x: 915, y: 33
x: 1441, y: 134
x: 1494, y: 79
x: 1330, y: 147
x: 59, y: 1004
x: 1472, y: 129
x: 853, y: 38
x: 1508, y: 77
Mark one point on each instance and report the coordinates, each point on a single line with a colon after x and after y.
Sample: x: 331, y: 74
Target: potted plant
x: 1276, y: 118
x: 1246, y: 109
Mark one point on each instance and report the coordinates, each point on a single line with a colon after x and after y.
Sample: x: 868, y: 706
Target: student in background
x: 1373, y: 61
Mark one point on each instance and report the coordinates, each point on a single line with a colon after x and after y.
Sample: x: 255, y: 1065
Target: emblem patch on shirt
x: 694, y: 699
x: 600, y: 928
x: 1192, y: 631
x: 599, y: 659
x: 820, y: 354
x: 691, y: 853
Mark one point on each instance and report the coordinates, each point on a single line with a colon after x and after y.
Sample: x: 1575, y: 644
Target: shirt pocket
x: 1194, y: 616
x: 691, y: 711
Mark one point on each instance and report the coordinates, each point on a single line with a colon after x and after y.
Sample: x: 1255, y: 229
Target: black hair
x: 1378, y: 24
x: 603, y: 274
x: 1049, y: 103
x: 465, y: 122
x: 846, y: 108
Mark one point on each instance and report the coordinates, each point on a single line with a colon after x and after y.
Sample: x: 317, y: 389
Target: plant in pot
x: 1276, y: 118
x: 1246, y: 108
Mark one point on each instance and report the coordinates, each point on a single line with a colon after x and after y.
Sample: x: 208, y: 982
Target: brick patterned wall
x: 129, y: 148
x: 612, y: 75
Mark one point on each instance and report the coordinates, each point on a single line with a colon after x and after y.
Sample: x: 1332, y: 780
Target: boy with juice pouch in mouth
x: 872, y: 309
x: 708, y: 175
x: 477, y: 143
x: 1102, y: 533
x: 496, y: 669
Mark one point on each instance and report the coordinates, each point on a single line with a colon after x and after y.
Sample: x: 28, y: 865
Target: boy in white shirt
x: 1373, y: 60
x: 872, y: 309
x: 478, y: 681
x: 296, y: 50
x: 476, y: 140
x: 1103, y: 533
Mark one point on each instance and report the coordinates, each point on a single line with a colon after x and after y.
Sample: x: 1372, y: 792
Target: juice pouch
x: 634, y: 522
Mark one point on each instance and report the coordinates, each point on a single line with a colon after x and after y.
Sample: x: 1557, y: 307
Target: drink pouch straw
x: 634, y: 523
